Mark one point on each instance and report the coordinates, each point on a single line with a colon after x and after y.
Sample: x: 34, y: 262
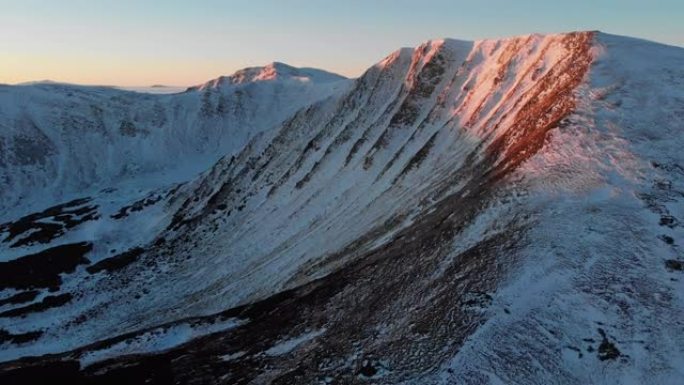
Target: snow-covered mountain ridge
x: 499, y: 211
x: 57, y: 140
x: 275, y: 71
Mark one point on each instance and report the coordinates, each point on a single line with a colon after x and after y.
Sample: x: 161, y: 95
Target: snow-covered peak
x: 274, y: 71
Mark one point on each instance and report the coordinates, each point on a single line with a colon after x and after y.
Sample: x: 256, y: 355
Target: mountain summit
x: 496, y: 211
x: 275, y: 71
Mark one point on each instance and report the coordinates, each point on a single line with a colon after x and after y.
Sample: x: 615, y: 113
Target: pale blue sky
x: 139, y: 42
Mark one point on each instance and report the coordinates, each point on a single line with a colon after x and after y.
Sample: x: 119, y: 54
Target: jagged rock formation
x: 502, y: 211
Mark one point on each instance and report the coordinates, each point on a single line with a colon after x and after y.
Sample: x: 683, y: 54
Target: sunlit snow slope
x: 499, y: 211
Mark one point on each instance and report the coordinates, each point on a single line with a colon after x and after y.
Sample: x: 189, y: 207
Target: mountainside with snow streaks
x: 499, y: 211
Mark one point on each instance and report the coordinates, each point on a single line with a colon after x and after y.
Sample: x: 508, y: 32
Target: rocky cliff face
x: 502, y: 211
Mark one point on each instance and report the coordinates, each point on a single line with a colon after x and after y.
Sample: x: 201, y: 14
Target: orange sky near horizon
x: 91, y: 70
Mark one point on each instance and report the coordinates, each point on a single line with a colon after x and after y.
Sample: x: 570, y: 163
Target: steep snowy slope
x: 503, y: 211
x: 58, y: 140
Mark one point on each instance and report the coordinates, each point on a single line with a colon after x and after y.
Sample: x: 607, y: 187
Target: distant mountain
x: 156, y: 89
x: 488, y: 212
x: 273, y: 72
x: 58, y: 140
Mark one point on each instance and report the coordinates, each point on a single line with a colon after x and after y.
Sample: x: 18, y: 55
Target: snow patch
x: 287, y: 346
